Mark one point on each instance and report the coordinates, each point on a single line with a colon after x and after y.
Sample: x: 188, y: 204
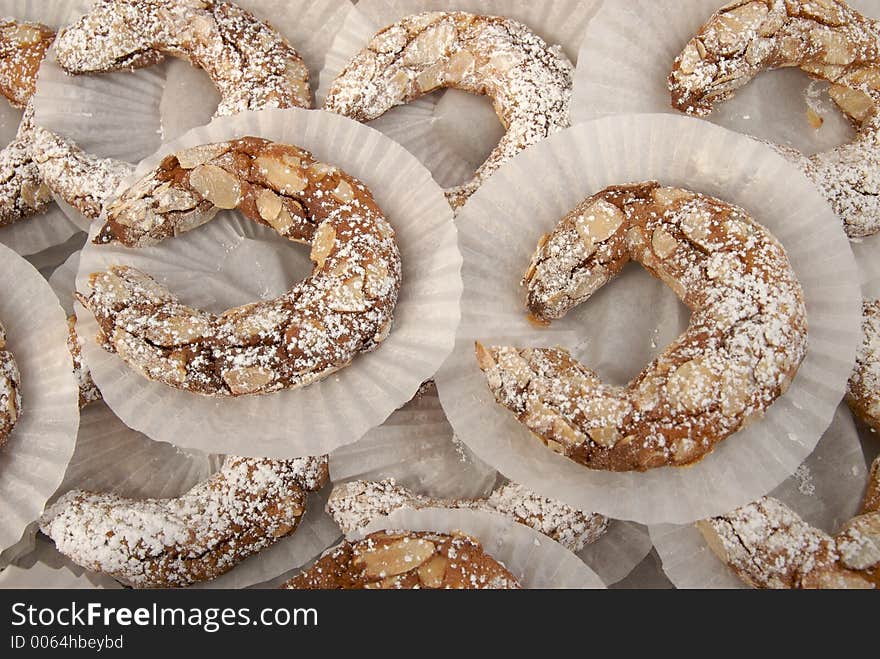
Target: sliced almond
x: 431, y: 45
x: 283, y: 173
x: 431, y: 78
x: 432, y: 572
x: 599, y: 222
x: 836, y: 46
x: 461, y: 64
x: 110, y: 289
x: 484, y: 357
x: 395, y: 557
x: 697, y: 226
x: 322, y: 244
x: 199, y: 155
x: 216, y: 185
x: 692, y: 386
x: 177, y: 330
x: 245, y: 380
x: 269, y: 205
x: 606, y: 437
x: 348, y: 296
x: 344, y: 192
x: 667, y: 197
x: 663, y: 243
x: 854, y: 103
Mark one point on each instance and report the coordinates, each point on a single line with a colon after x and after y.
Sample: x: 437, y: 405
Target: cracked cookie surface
x: 528, y: 81
x: 745, y: 341
x: 344, y: 308
x: 171, y: 543
x: 829, y: 41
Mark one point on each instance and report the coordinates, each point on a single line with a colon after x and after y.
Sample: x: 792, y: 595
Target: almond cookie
x: 251, y: 64
x: 22, y: 190
x: 829, y: 41
x: 863, y: 392
x: 746, y: 339
x: 354, y: 505
x: 171, y: 543
x: 344, y: 308
x: 405, y: 561
x: 769, y: 546
x: 10, y: 390
x: 528, y: 82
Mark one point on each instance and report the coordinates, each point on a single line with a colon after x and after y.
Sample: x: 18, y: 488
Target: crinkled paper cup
x: 625, y: 325
x: 190, y: 98
x: 33, y: 460
x: 232, y: 261
x: 534, y: 559
x: 451, y: 132
x: 44, y: 568
x: 110, y: 457
x: 628, y: 52
x: 826, y: 491
x: 418, y: 449
x: 52, y: 227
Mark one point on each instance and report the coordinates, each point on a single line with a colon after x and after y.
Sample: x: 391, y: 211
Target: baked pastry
x: 863, y: 391
x: 22, y: 48
x: 251, y: 64
x: 171, y: 543
x: 88, y: 392
x: 10, y: 390
x: 354, y: 505
x: 528, y: 81
x: 345, y: 307
x: 403, y: 561
x: 829, y: 41
x: 769, y: 546
x: 746, y: 339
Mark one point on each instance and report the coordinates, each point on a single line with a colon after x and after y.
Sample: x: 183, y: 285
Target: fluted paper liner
x: 33, y: 460
x: 418, y: 449
x: 451, y: 132
x: 232, y: 261
x: 826, y: 491
x: 190, y: 99
x: 534, y: 559
x: 628, y: 52
x: 46, y: 569
x: 631, y: 320
x: 53, y: 227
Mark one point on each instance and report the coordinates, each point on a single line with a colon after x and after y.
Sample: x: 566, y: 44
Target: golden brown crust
x: 22, y: 190
x: 743, y: 346
x: 404, y: 561
x: 528, y: 82
x: 171, y: 543
x: 863, y: 390
x: 22, y: 49
x: 829, y: 41
x: 344, y: 308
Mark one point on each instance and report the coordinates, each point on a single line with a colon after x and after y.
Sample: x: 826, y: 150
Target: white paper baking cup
x: 628, y: 52
x: 631, y: 320
x: 33, y: 460
x: 826, y: 491
x: 534, y: 559
x: 417, y: 448
x: 45, y: 568
x: 190, y: 98
x: 232, y: 261
x: 53, y: 227
x: 451, y: 132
